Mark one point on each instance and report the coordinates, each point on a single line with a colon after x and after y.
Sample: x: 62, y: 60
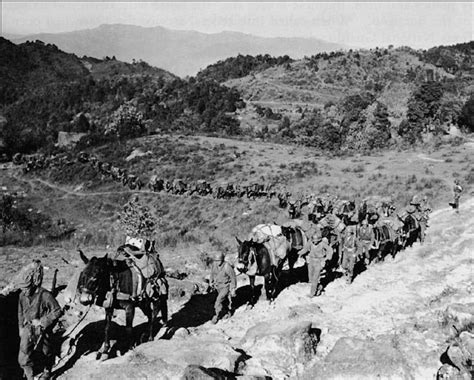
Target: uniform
x: 457, y: 191
x: 319, y: 252
x: 223, y: 279
x: 366, y: 240
x: 38, y: 311
x: 350, y: 252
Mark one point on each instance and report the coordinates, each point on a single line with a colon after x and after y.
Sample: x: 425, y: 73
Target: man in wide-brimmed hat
x: 38, y: 311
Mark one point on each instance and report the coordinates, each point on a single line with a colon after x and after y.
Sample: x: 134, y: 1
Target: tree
x: 466, y: 118
x: 6, y: 212
x: 137, y: 219
x: 127, y: 122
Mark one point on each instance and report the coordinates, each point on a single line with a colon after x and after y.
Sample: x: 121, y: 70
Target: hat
x: 29, y: 275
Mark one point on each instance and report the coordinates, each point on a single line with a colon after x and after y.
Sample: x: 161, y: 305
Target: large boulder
x: 459, y: 314
x: 197, y: 372
x: 353, y: 358
x: 163, y: 359
x: 279, y: 348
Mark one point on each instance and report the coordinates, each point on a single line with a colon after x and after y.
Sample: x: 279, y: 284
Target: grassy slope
x: 189, y: 225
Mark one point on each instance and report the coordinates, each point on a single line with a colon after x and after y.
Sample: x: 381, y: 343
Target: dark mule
x: 386, y: 242
x: 108, y: 283
x: 297, y: 240
x: 410, y: 231
x: 254, y: 259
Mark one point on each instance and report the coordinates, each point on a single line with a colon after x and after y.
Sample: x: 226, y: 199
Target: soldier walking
x: 350, y: 252
x: 366, y: 240
x: 457, y: 191
x: 223, y: 280
x: 38, y: 311
x: 319, y: 252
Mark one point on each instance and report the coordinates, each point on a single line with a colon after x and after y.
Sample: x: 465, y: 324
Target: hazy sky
x: 354, y: 24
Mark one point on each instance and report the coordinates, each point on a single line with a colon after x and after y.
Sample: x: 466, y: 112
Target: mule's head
x: 243, y: 257
x: 287, y: 231
x: 94, y: 279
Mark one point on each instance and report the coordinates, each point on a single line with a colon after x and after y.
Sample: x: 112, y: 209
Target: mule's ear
x: 238, y: 240
x: 83, y: 257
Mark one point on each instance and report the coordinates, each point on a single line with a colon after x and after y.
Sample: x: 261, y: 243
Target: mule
x: 386, y: 242
x: 254, y: 259
x: 101, y: 282
x: 411, y: 231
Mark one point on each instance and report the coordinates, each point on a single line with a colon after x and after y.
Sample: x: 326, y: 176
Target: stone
x: 459, y: 314
x: 448, y: 372
x: 353, y: 358
x: 197, y: 372
x: 280, y: 346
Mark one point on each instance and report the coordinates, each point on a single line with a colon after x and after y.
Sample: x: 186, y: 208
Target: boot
x: 28, y: 372
x: 46, y: 375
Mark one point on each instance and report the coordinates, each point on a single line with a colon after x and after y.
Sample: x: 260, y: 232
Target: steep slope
x: 181, y: 52
x: 392, y: 321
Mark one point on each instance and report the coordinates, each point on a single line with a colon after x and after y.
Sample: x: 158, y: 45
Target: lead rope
x: 72, y: 342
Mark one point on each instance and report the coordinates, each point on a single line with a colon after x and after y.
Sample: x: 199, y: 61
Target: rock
x: 448, y: 372
x: 181, y: 332
x: 197, y: 372
x: 279, y: 347
x: 137, y: 153
x: 459, y: 314
x: 353, y: 358
x: 461, y: 353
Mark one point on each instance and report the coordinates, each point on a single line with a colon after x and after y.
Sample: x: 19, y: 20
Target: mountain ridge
x: 182, y: 52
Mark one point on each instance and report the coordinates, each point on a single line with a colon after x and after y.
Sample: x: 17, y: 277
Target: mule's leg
x: 252, y: 292
x: 103, y: 353
x: 269, y: 286
x: 155, y: 308
x: 129, y: 315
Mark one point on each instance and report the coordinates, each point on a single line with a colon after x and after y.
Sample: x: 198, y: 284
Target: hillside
x: 178, y: 51
x: 395, y: 320
x: 46, y: 90
x: 390, y: 74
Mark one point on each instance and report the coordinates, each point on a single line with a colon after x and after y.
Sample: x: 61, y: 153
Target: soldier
x: 38, y: 311
x: 366, y: 239
x: 424, y: 210
x: 319, y: 252
x: 223, y: 280
x: 457, y: 191
x: 350, y: 252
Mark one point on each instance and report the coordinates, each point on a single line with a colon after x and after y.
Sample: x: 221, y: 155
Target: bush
x: 466, y: 118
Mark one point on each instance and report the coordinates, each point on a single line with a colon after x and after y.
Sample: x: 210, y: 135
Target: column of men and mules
x: 357, y: 232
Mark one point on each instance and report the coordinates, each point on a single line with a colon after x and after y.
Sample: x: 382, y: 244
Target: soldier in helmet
x: 457, y: 191
x: 350, y: 252
x: 223, y: 280
x: 318, y: 253
x: 366, y: 240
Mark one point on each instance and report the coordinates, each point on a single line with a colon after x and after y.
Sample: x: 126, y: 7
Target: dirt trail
x: 402, y: 298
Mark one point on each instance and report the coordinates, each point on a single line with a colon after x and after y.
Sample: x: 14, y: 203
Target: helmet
x: 317, y: 236
x: 411, y: 209
x: 415, y: 200
x: 219, y: 256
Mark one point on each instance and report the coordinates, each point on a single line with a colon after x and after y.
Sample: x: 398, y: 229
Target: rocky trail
x: 393, y: 322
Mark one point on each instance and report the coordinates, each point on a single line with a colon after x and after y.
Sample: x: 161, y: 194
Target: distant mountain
x: 181, y: 52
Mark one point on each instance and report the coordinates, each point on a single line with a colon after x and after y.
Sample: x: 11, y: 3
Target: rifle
x: 54, y: 293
